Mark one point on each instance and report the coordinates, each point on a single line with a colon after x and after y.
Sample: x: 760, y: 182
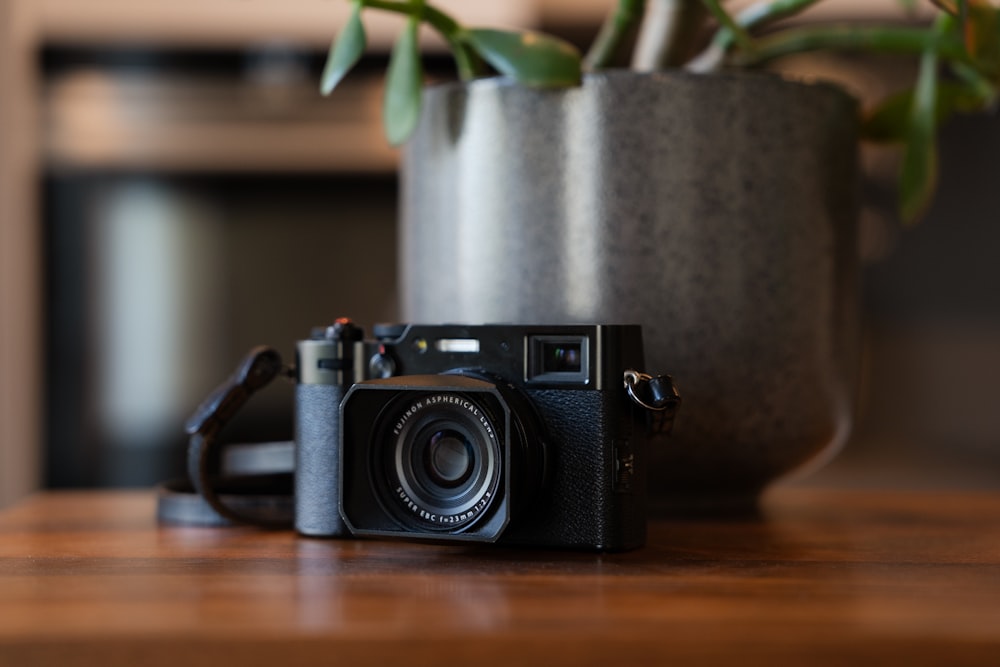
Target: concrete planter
x: 720, y: 212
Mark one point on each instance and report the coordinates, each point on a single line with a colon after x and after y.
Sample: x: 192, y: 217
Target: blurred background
x: 174, y: 190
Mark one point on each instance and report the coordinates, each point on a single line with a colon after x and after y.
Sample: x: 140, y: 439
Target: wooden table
x: 822, y: 577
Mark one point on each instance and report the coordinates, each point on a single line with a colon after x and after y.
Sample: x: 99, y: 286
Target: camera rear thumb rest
x: 251, y: 483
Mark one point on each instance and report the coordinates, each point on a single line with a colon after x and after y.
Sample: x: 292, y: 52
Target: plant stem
x: 469, y: 66
x: 669, y: 33
x: 885, y: 39
x: 754, y: 16
x: 725, y: 20
x: 440, y: 21
x: 615, y: 29
x: 762, y: 13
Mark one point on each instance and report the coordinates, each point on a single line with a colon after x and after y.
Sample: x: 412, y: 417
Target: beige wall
x: 20, y: 385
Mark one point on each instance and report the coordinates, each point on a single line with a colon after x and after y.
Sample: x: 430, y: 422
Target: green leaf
x: 403, y: 86
x: 890, y: 120
x: 918, y: 175
x: 532, y: 58
x: 345, y: 51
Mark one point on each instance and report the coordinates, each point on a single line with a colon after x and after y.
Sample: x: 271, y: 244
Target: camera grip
x: 317, y: 460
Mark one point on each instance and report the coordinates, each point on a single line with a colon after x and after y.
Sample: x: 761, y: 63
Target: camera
x: 510, y: 434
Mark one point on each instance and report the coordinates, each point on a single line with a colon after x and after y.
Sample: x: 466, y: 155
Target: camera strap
x: 237, y: 483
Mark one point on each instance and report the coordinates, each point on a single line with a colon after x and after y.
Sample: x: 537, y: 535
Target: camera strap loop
x: 257, y: 369
x: 250, y: 487
x: 658, y: 395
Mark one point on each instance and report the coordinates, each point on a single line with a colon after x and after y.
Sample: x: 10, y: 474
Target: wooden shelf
x: 231, y: 23
x: 98, y: 119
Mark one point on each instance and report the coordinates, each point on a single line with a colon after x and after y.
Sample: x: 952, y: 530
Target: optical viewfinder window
x: 558, y: 359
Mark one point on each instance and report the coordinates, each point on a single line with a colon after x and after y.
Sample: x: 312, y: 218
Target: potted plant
x: 714, y: 204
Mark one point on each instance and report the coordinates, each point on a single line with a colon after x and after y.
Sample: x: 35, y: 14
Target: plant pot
x: 720, y: 212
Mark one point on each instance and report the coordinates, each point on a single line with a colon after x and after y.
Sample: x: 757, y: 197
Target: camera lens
x: 441, y: 460
x: 449, y: 459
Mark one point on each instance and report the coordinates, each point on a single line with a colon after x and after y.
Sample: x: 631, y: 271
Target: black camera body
x: 510, y: 434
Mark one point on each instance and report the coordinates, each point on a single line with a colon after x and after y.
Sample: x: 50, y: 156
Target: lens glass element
x: 450, y: 458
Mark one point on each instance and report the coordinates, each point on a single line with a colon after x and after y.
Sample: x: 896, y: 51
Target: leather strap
x: 235, y: 483
x: 177, y: 503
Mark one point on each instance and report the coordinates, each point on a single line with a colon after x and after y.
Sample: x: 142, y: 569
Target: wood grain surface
x: 821, y: 577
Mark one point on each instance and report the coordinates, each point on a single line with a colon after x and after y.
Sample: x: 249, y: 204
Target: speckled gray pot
x: 717, y: 211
